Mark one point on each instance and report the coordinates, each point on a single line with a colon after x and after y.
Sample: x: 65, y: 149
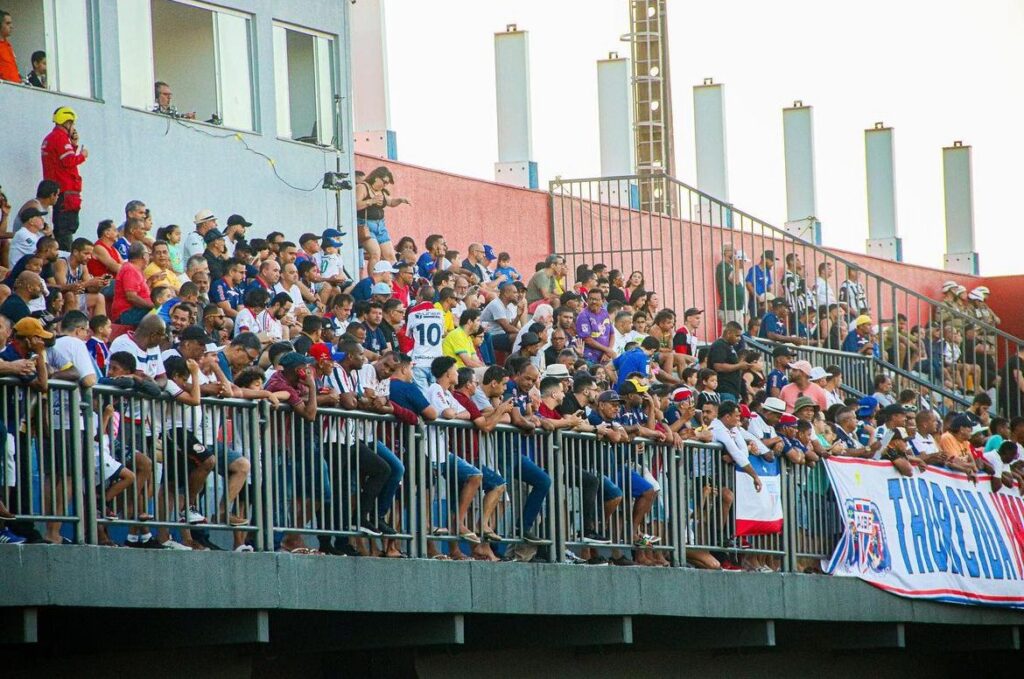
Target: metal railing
x: 688, y: 255
x: 235, y: 473
x: 857, y: 370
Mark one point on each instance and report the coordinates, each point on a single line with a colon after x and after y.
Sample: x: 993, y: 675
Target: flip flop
x: 440, y: 531
x: 441, y: 557
x: 491, y: 536
x: 470, y: 536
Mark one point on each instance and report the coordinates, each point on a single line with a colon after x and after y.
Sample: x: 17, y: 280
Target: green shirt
x: 731, y: 296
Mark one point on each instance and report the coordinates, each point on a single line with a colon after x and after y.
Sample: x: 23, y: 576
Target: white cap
x: 774, y: 404
x: 818, y: 373
x: 741, y: 257
x: 383, y: 266
x: 203, y: 215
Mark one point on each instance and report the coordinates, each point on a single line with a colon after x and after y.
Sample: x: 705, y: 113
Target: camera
x: 337, y: 181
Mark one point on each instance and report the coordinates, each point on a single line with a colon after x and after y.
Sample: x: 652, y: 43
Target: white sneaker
x: 243, y: 548
x: 192, y: 516
x: 174, y: 544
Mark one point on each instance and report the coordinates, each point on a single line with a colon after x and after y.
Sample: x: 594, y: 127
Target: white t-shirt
x: 426, y: 328
x: 194, y: 244
x: 245, y: 321
x: 924, y: 445
x: 494, y: 311
x: 266, y: 323
x: 619, y: 341
x: 441, y: 399
x: 148, y: 362
x: 329, y: 264
x: 39, y: 303
x: 760, y: 429
x: 23, y: 243
x: 68, y: 352
x: 371, y: 383
x: 295, y: 292
x: 191, y: 417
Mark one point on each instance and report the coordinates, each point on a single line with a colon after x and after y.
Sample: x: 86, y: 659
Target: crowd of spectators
x: 427, y: 334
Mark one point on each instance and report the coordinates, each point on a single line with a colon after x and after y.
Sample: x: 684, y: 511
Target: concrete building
x: 275, y: 74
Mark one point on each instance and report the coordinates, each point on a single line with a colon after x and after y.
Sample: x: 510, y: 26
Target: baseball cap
x: 195, y: 333
x: 658, y: 389
x: 331, y: 243
x: 529, y: 339
x: 802, y: 366
x: 769, y: 254
x: 633, y: 386
x: 212, y: 235
x: 692, y: 311
x: 682, y: 394
x: 556, y: 370
x: 787, y: 420
x: 238, y: 220
x: 293, y: 359
x: 784, y: 350
x: 861, y: 320
x: 961, y: 421
x: 30, y: 212
x: 401, y: 265
x: 489, y: 253
x: 31, y: 327
x: 211, y: 348
x: 892, y: 409
x: 866, y: 406
x: 818, y: 373
x: 741, y: 257
x: 380, y: 289
x: 331, y: 233
x: 203, y: 216
x: 804, y: 402
x: 774, y: 404
x: 322, y: 350
x: 608, y: 396
x: 383, y: 266
x: 745, y: 412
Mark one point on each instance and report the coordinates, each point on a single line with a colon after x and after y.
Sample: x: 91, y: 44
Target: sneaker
x: 346, y: 550
x: 385, y: 528
x: 643, y: 540
x: 531, y: 538
x: 623, y: 561
x: 730, y: 566
x: 174, y: 544
x: 192, y: 516
x: 153, y: 543
x: 592, y: 537
x: 597, y: 560
x: 9, y: 538
x: 367, y: 527
x: 243, y: 548
x: 204, y: 540
x: 573, y: 558
x: 764, y: 569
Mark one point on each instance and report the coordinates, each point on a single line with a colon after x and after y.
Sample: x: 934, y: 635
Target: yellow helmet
x: 63, y: 115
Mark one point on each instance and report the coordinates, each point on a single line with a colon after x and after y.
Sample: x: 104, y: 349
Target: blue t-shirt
x: 509, y: 272
x: 222, y: 292
x: 760, y: 279
x: 375, y: 340
x: 17, y: 404
x: 361, y: 292
x: 122, y: 246
x: 634, y: 360
x: 854, y: 342
x: 426, y: 265
x: 409, y: 396
x: 772, y: 323
x: 776, y: 380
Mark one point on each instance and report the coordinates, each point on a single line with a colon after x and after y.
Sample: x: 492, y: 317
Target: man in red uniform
x: 62, y: 154
x: 8, y: 62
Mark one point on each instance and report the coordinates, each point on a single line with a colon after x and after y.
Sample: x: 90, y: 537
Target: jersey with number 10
x: 425, y: 326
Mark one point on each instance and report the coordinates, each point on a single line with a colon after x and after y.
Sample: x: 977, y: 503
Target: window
x: 203, y: 53
x: 61, y: 29
x: 304, y: 83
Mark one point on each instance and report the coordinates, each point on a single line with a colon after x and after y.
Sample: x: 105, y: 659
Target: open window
x: 61, y: 29
x: 304, y: 84
x: 202, y: 52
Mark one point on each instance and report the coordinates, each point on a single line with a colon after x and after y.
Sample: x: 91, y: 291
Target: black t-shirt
x: 15, y: 309
x: 302, y: 343
x: 569, y: 404
x: 728, y: 382
x: 616, y: 294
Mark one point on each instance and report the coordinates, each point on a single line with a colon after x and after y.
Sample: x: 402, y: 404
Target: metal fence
x: 688, y: 251
x: 240, y: 474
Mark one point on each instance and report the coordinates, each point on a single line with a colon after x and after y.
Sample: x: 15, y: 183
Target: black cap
x: 293, y: 358
x: 238, y: 219
x: 784, y: 350
x: 769, y: 254
x: 212, y: 235
x: 195, y: 333
x: 30, y: 212
x: 529, y: 339
x: 608, y: 396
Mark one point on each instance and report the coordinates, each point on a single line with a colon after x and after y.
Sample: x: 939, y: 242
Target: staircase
x: 679, y: 247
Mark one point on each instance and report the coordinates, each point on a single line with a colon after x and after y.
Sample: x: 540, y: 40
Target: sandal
x: 440, y: 531
x: 145, y: 516
x: 306, y: 551
x: 491, y: 536
x: 441, y: 557
x: 470, y: 536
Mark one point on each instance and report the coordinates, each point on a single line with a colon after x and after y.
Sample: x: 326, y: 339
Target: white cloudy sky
x: 935, y: 70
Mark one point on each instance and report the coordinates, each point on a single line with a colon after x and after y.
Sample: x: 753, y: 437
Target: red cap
x: 745, y: 411
x: 787, y: 420
x: 320, y: 351
x: 681, y: 394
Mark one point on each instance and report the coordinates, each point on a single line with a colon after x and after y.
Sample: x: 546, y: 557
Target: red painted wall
x: 678, y: 257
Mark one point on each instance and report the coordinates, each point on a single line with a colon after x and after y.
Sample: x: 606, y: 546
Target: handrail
x: 937, y: 388
x: 782, y: 234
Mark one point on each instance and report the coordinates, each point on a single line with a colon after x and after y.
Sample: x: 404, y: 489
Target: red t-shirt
x: 128, y: 278
x: 548, y: 413
x: 8, y: 64
x: 95, y: 266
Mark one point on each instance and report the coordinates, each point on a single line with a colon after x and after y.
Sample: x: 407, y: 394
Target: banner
x: 935, y: 535
x: 759, y: 513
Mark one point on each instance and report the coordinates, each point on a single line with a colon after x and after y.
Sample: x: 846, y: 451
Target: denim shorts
x: 464, y: 471
x: 378, y: 229
x: 638, y: 485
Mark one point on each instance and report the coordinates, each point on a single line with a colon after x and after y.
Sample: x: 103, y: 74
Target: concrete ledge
x: 95, y: 577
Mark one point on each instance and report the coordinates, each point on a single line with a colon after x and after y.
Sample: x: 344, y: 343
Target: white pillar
x: 615, y: 121
x: 801, y: 200
x: 709, y: 132
x: 883, y: 239
x: 958, y: 192
x: 512, y: 82
x: 374, y: 135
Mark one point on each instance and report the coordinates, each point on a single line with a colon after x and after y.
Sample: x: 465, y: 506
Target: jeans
x: 595, y: 486
x: 65, y: 224
x: 374, y: 474
x: 132, y: 316
x: 519, y: 467
x: 377, y: 229
x: 394, y: 480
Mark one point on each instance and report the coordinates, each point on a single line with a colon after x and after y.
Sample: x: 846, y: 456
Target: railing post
x: 266, y: 491
x: 559, y: 497
x: 258, y: 459
x: 86, y: 514
x: 788, y: 518
x: 678, y: 510
x: 417, y: 450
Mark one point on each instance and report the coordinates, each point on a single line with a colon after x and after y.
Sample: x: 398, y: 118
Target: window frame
x: 333, y: 66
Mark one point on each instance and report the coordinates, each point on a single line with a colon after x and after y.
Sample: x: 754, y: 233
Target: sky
x: 936, y: 71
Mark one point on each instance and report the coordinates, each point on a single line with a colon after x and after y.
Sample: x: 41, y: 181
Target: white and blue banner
x: 759, y: 513
x: 937, y: 535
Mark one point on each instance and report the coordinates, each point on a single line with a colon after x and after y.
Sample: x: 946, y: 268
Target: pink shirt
x: 790, y: 393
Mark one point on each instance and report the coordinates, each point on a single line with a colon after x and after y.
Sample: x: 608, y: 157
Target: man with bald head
x: 144, y: 344
x: 27, y: 287
x: 268, y: 276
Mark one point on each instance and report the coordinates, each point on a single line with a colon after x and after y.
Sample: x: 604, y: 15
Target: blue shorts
x: 638, y: 485
x: 377, y: 228
x: 464, y: 471
x: 609, y: 490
